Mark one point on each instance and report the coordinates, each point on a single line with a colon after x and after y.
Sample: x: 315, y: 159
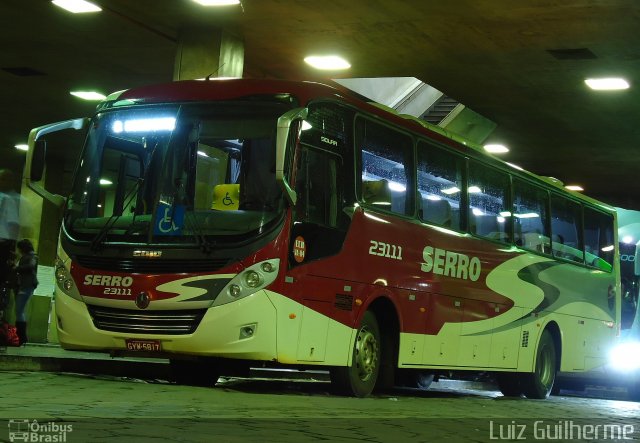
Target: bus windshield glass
x: 178, y: 174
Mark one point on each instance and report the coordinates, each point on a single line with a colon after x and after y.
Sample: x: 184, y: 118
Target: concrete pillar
x: 208, y: 52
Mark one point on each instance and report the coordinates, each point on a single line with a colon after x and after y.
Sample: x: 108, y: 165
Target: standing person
x: 26, y: 269
x: 9, y: 224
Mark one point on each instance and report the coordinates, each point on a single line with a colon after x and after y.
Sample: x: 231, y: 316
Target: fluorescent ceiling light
x: 450, y: 191
x: 474, y: 189
x: 22, y: 147
x: 434, y: 198
x: 574, y: 188
x: 88, y: 95
x: 202, y: 154
x: 105, y: 182
x: 627, y: 239
x: 607, y: 248
x: 77, y: 6
x: 327, y: 62
x: 477, y: 211
x: 495, y: 148
x: 515, y: 166
x: 217, y: 2
x: 398, y: 187
x: 607, y: 84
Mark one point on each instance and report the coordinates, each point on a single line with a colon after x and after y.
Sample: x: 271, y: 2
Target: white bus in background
x: 625, y: 358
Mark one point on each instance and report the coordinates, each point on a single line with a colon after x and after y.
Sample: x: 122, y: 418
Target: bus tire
x: 193, y: 372
x: 360, y: 378
x: 509, y: 383
x: 539, y: 383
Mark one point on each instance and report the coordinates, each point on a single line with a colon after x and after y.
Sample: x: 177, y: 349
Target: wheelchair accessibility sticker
x: 169, y: 220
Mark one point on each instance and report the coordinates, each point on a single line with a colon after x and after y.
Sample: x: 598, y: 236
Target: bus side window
x: 386, y: 160
x: 598, y: 239
x: 489, y: 203
x: 531, y: 218
x: 439, y: 186
x: 566, y: 229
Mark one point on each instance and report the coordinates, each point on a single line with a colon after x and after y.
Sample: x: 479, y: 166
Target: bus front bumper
x: 245, y: 329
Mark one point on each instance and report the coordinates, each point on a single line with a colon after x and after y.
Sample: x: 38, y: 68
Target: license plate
x: 143, y: 345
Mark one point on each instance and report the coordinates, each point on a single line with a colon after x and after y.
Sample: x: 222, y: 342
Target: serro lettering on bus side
x: 107, y: 280
x: 450, y: 264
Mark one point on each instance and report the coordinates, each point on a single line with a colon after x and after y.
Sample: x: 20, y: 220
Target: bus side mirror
x: 36, y: 156
x: 284, y: 150
x: 38, y: 160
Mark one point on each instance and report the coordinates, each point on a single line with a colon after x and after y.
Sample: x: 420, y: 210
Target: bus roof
x: 305, y: 91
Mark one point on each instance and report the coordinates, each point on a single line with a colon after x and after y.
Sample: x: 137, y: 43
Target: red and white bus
x: 229, y: 223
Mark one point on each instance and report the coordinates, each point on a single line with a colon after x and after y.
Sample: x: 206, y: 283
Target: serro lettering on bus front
x: 450, y: 264
x: 107, y: 280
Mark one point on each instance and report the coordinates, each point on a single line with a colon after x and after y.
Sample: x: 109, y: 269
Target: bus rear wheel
x: 509, y: 383
x: 539, y: 383
x: 360, y: 378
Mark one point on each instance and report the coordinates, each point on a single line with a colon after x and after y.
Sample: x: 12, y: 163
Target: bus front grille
x: 146, y: 322
x: 152, y: 266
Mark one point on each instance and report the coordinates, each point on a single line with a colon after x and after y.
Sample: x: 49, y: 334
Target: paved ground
x: 82, y: 408
x: 130, y: 400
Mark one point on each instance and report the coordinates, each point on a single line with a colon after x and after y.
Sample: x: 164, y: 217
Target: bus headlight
x: 625, y: 357
x: 249, y: 281
x: 64, y: 280
x: 252, y: 279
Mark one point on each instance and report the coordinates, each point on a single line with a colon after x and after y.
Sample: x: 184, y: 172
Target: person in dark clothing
x: 26, y: 270
x: 9, y: 224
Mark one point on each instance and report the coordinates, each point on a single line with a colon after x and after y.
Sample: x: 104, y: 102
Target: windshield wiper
x: 111, y: 221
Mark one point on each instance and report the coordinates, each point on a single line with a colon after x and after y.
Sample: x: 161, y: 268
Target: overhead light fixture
x: 88, y: 95
x: 607, y: 84
x: 217, y: 2
x: 105, y: 182
x: 77, y: 6
x: 474, y: 189
x: 495, y: 148
x: 574, y: 188
x: 327, y: 62
x: 22, y: 147
x: 627, y: 239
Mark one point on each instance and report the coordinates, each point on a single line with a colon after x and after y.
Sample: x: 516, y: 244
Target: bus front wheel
x: 539, y: 383
x: 193, y: 372
x: 360, y: 377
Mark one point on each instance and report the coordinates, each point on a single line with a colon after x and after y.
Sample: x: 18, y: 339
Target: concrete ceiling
x: 491, y: 55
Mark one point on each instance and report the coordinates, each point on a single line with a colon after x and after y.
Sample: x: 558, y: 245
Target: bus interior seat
x: 437, y: 212
x: 377, y: 193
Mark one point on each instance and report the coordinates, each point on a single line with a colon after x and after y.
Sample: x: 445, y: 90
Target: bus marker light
x: 267, y: 267
x: 292, y: 316
x: 358, y: 302
x: 422, y: 309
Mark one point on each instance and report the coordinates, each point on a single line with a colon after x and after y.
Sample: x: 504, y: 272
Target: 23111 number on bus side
x: 386, y: 250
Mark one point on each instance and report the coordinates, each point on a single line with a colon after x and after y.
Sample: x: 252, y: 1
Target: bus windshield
x: 177, y: 174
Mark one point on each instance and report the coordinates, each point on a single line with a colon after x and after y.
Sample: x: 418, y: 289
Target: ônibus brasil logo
x: 32, y: 431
